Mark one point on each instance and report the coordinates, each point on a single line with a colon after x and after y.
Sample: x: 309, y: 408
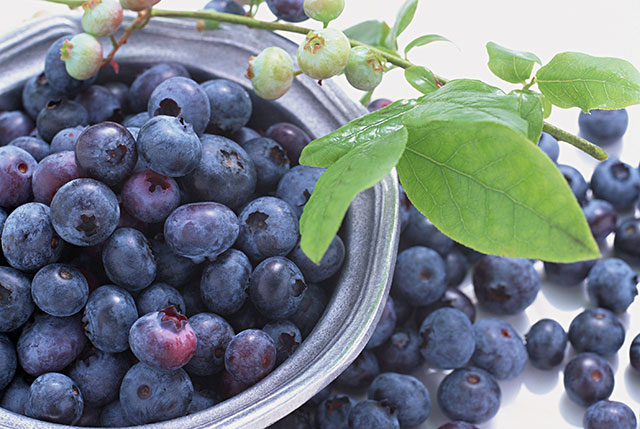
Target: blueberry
x: 627, y: 241
x: 225, y: 6
x: 250, y: 356
x: 419, y: 276
x: 200, y: 231
x: 36, y: 93
x: 291, y: 137
x: 98, y: 375
x: 549, y: 145
x: 404, y: 310
x: 270, y: 160
x: 225, y: 173
x: 36, y: 147
x: 16, y: 170
x: 385, y: 326
x: 546, y: 344
x: 333, y: 412
x: 634, y: 353
x: 52, y: 173
x: 374, y: 414
x: 159, y: 296
x: 404, y: 392
x: 288, y: 10
x: 150, y: 395
x: 213, y: 336
x: 181, y: 97
x: 596, y: 330
x: 169, y: 146
x: 571, y: 274
x: 225, y: 282
x: 329, y: 265
x: 85, y: 212
x: 128, y: 259
x: 401, y: 352
x: 54, y: 397
x: 230, y: 104
x: 101, y: 104
x: 8, y: 361
x: 60, y: 290
x: 113, y: 416
x: 421, y: 232
x: 360, y: 373
x: 146, y: 82
x: 447, y: 339
x: 136, y: 121
x: 172, y: 269
x: 601, y: 217
x: 609, y: 414
x: 66, y: 139
x: 268, y: 227
x: 451, y: 298
x: 121, y: 92
x: 200, y: 402
x: 14, y: 124
x: 229, y: 386
x: 603, y: 127
x: 458, y: 425
x: 16, y: 395
x: 244, y: 134
x: 456, y: 267
x: 29, y: 242
x: 616, y: 182
x: 499, y: 349
x: 150, y: 197
x: 58, y: 115
x: 247, y: 318
x: 108, y: 316
x: 56, y: 73
x: 505, y: 285
x: 612, y: 284
x: 277, y: 287
x: 286, y: 337
x: 15, y: 299
x: 106, y: 152
x: 378, y: 104
x: 310, y: 309
x: 50, y: 344
x: 576, y: 182
x: 588, y: 378
x: 296, y: 186
x: 470, y: 394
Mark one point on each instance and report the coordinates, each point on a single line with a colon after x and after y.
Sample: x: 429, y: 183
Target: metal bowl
x: 370, y: 229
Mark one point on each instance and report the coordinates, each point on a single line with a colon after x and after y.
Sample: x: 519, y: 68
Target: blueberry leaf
x: 403, y: 19
x: 509, y: 65
x: 530, y: 108
x: 361, y: 168
x: 485, y: 185
x: 423, y: 40
x: 371, y: 32
x: 573, y: 79
x: 421, y: 78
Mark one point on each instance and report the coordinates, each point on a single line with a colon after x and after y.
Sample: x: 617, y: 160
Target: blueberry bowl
x: 370, y: 230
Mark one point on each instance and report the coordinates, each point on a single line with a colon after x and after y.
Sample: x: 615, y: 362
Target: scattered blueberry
x: 66, y: 139
x: 596, y: 330
x: 576, y: 181
x: 150, y: 197
x: 421, y: 232
x: 627, y: 240
x: 612, y: 284
x: 588, y: 378
x: 616, y: 182
x: 360, y: 373
x: 401, y: 352
x: 404, y: 392
x: 36, y: 93
x: 470, y: 394
x: 419, y: 276
x: 546, y: 343
x: 374, y: 414
x: 448, y: 340
x: 609, y: 414
x: 499, y: 349
x: 451, y: 298
x: 603, y: 127
x: 549, y: 145
x: 634, y: 353
x: 601, y: 217
x: 570, y: 274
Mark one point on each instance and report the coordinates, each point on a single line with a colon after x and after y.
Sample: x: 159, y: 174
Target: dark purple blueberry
x: 386, y: 325
x: 286, y: 336
x: 146, y: 82
x: 499, y: 349
x: 603, y: 127
x: 16, y: 170
x: 549, y: 145
x: 612, y: 284
x: 288, y: 10
x: 36, y: 147
x: 128, y: 259
x: 291, y: 137
x: 601, y: 217
x: 404, y: 310
x: 404, y: 392
x: 175, y: 270
x: 54, y: 397
x: 163, y: 339
x: 90, y: 416
x: 112, y: 416
x: 36, y: 93
x: 245, y: 134
x: 224, y: 174
x: 329, y: 265
x: 121, y: 91
x: 571, y: 274
x: 451, y: 298
x: 250, y: 356
x: 136, y: 121
x: 401, y: 352
x: 458, y: 425
x: 169, y: 146
x: 225, y: 282
x: 360, y: 373
x: 576, y: 182
x: 151, y: 395
x: 230, y: 104
x: 296, y: 186
x: 456, y: 267
x: 14, y: 124
x: 634, y: 353
x: 546, y: 343
x: 98, y: 375
x: 52, y: 173
x: 419, y: 276
x: 277, y: 287
x: 627, y: 241
x: 373, y: 414
x: 50, y: 344
x: 200, y: 231
x: 447, y: 339
x: 29, y: 242
x: 588, y: 378
x: 60, y: 290
x: 213, y: 336
x: 181, y: 96
x: 378, y: 104
x: 66, y: 139
x: 85, y: 212
x: 200, y: 402
x: 192, y: 299
x: 108, y: 316
x: 596, y: 330
x: 149, y: 196
x: 58, y: 115
x: 101, y: 104
x: 609, y: 414
x: 15, y: 299
x: 159, y: 296
x: 616, y: 182
x: 225, y: 6
x: 333, y: 412
x: 16, y: 395
x: 270, y: 160
x: 229, y: 386
x: 8, y: 361
x: 505, y: 285
x: 421, y: 232
x: 56, y: 73
x: 310, y: 309
x: 470, y: 394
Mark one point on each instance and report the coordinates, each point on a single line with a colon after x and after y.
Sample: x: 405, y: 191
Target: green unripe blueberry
x: 324, y: 53
x: 364, y: 70
x: 138, y: 5
x: 323, y: 10
x: 271, y: 73
x: 82, y: 56
x: 101, y: 17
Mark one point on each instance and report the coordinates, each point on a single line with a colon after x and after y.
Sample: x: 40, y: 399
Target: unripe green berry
x: 82, y: 56
x: 364, y: 70
x: 138, y: 5
x: 323, y: 10
x: 271, y: 73
x: 101, y: 17
x: 324, y: 53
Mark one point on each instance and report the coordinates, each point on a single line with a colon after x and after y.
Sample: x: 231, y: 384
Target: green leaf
x: 546, y: 104
x: 423, y: 40
x: 403, y: 19
x: 421, y: 78
x: 530, y: 108
x: 372, y: 32
x: 361, y: 168
x: 509, y: 65
x: 326, y: 150
x: 572, y: 79
x: 488, y: 187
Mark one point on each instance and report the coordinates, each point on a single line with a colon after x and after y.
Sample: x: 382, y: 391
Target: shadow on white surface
x: 540, y: 382
x: 571, y: 412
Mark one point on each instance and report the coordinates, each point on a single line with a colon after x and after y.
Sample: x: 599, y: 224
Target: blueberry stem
x: 582, y: 144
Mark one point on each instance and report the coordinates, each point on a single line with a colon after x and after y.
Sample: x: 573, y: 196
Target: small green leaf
x: 421, y: 78
x: 488, y: 187
x: 530, y: 108
x: 423, y: 40
x: 546, y: 104
x: 361, y: 168
x: 403, y: 19
x: 509, y: 65
x: 326, y: 150
x: 372, y: 32
x: 572, y: 79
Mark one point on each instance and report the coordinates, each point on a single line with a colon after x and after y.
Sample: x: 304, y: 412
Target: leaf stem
x: 582, y: 144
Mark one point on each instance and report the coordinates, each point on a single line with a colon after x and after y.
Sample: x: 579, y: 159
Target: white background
x: 545, y: 27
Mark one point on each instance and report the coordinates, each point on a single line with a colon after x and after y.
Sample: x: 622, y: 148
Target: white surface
x: 545, y: 27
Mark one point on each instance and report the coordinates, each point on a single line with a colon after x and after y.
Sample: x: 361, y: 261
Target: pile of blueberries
x: 150, y: 263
